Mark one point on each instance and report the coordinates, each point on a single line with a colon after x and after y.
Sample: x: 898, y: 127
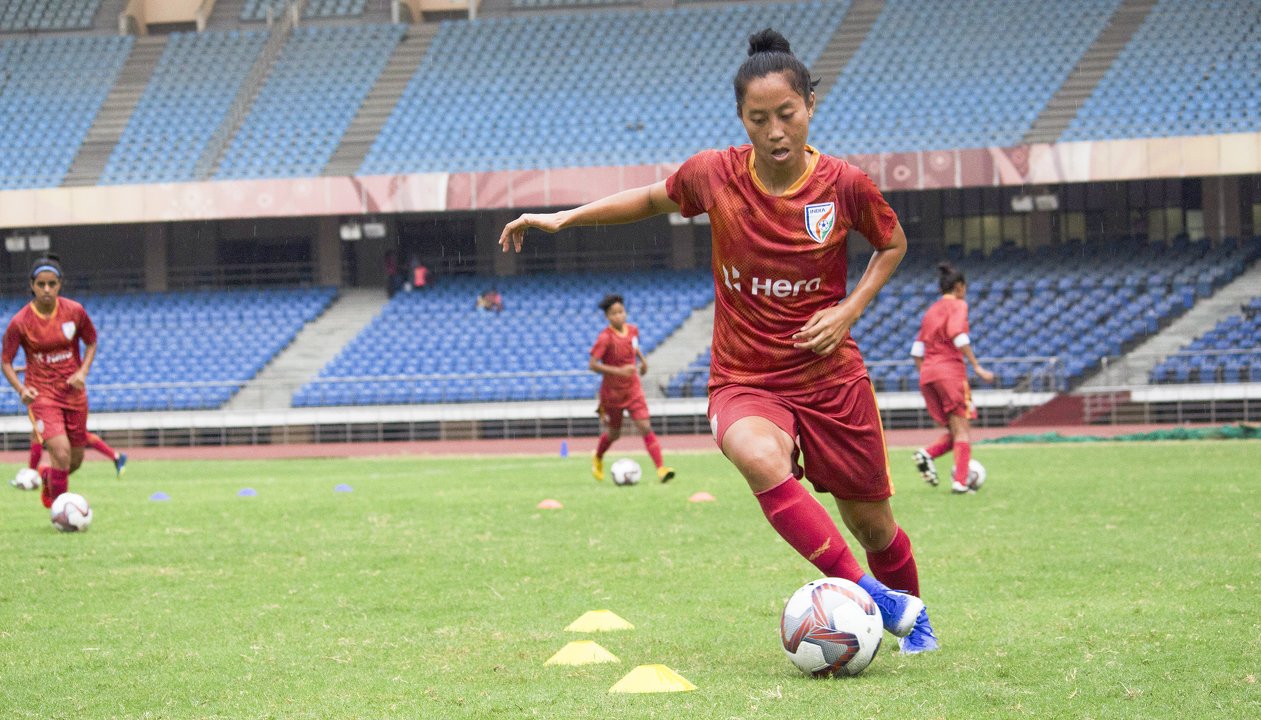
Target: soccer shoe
x: 922, y: 637
x: 924, y: 463
x: 120, y: 464
x: 597, y: 467
x: 665, y: 474
x: 898, y: 610
x: 958, y: 488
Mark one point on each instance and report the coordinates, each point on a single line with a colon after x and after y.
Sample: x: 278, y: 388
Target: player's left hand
x: 77, y: 381
x: 826, y: 330
x: 643, y: 368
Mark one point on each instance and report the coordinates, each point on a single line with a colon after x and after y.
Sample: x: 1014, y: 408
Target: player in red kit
x: 786, y: 377
x: 939, y: 350
x: 616, y: 356
x: 94, y: 441
x: 49, y: 329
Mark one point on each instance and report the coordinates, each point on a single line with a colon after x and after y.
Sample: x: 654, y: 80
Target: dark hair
x: 949, y: 277
x: 769, y: 52
x: 609, y: 301
x: 47, y: 262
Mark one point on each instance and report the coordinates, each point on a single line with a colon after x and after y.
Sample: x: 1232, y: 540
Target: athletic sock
x: 654, y: 448
x: 99, y: 445
x: 963, y: 455
x: 603, y: 446
x: 808, y: 527
x: 895, y: 565
x: 941, y: 447
x: 45, y: 489
x: 37, y: 452
x: 58, y: 483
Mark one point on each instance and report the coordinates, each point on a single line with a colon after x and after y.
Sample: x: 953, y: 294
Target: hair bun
x: 945, y: 268
x: 768, y: 40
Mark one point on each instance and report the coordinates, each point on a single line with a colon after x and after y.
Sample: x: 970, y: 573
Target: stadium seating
x: 258, y: 9
x: 192, y: 88
x: 185, y: 350
x: 1078, y: 303
x: 1230, y: 352
x: 313, y: 92
x: 50, y: 92
x: 615, y: 88
x: 36, y: 15
x: 1170, y: 81
x: 434, y: 345
x: 952, y: 74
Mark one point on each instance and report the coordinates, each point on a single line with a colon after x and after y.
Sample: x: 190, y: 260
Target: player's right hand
x: 29, y: 394
x: 514, y: 232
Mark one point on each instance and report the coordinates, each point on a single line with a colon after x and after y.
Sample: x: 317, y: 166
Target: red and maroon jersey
x: 617, y: 350
x: 777, y: 261
x: 945, y: 320
x: 52, y: 349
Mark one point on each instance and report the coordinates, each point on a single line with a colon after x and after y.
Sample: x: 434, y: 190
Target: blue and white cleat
x: 120, y: 464
x: 922, y: 638
x: 898, y: 610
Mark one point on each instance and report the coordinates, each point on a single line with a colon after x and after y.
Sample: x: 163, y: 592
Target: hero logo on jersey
x: 67, y: 329
x: 820, y: 219
x: 771, y: 287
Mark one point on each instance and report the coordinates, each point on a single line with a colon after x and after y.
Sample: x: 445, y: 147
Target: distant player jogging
x: 939, y: 349
x: 94, y: 441
x: 785, y: 376
x: 616, y: 356
x: 49, y: 329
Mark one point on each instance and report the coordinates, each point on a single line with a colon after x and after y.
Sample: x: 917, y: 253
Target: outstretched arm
x: 981, y: 372
x: 624, y: 207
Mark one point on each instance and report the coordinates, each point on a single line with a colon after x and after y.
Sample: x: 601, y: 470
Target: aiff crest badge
x: 820, y: 219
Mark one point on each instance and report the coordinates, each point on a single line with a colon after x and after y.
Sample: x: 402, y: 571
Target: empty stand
x: 434, y: 345
x: 38, y: 15
x: 192, y: 88
x: 1171, y: 80
x: 613, y: 87
x: 52, y: 90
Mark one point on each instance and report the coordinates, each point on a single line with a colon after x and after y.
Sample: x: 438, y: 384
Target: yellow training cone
x: 652, y: 679
x: 599, y: 621
x: 582, y: 652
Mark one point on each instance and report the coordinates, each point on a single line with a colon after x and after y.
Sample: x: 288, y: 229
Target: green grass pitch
x: 1096, y: 581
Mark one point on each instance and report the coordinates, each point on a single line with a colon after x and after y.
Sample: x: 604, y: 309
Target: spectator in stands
x: 616, y: 356
x: 939, y: 349
x: 49, y: 329
x: 490, y: 301
x: 393, y: 278
x: 786, y: 377
x: 417, y: 274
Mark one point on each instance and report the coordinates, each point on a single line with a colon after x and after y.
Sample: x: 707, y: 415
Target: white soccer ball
x: 625, y: 472
x: 71, y: 513
x: 27, y: 479
x: 831, y: 627
x: 976, y: 474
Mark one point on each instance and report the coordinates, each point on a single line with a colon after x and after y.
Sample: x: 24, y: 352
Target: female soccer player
x: 616, y: 356
x: 49, y: 329
x: 939, y: 349
x: 786, y: 376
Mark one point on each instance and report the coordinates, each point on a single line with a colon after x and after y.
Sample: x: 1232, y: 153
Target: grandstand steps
x: 312, y: 349
x: 380, y: 101
x: 1084, y: 78
x: 115, y: 112
x: 677, y: 351
x: 844, y: 44
x: 227, y: 16
x: 1136, y: 366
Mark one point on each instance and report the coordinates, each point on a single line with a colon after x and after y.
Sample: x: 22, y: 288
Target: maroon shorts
x: 837, y: 429
x: 51, y: 420
x: 611, y: 415
x: 948, y: 397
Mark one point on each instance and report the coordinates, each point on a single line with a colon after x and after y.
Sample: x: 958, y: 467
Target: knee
x: 760, y: 457
x: 614, y: 433
x: 874, y: 533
